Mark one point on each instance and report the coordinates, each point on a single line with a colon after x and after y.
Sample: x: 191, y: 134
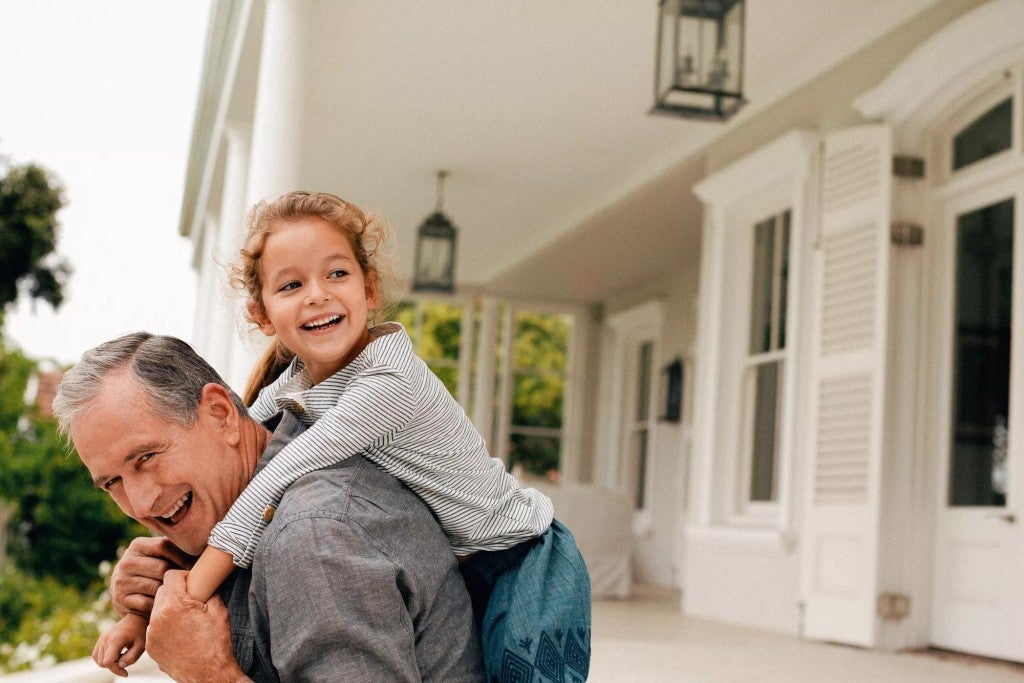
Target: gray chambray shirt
x: 353, y: 580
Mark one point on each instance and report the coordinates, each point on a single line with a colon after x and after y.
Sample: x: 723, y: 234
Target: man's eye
x: 109, y: 483
x: 337, y: 273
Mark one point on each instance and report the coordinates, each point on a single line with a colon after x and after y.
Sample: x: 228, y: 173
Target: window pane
x: 989, y: 134
x: 643, y: 383
x: 537, y: 401
x: 537, y: 454
x: 982, y: 364
x: 442, y: 327
x: 761, y: 290
x: 639, y: 446
x: 541, y: 341
x: 765, y: 432
x: 783, y: 278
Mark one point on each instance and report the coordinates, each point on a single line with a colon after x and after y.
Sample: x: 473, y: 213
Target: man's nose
x: 140, y: 496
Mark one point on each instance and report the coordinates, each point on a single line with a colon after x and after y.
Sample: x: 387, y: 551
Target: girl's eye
x: 288, y: 286
x: 337, y: 273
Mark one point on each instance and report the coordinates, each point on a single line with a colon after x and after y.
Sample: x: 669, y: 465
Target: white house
x: 836, y: 268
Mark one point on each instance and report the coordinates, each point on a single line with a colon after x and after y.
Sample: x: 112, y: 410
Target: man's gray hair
x: 170, y: 372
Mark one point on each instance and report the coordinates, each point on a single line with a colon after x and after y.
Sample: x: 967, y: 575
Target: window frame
x: 505, y: 386
x: 779, y: 176
x: 983, y: 97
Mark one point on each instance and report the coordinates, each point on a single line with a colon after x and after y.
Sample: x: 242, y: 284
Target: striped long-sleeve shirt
x: 389, y: 406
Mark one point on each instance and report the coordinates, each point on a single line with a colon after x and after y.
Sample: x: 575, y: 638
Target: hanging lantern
x: 699, y: 60
x: 435, y: 249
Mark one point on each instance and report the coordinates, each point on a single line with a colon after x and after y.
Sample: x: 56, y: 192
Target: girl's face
x: 315, y: 295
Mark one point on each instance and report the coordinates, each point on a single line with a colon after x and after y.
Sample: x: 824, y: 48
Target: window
x: 638, y: 428
x: 981, y: 396
x: 766, y: 355
x: 435, y: 328
x: 752, y: 358
x: 988, y: 134
x: 537, y: 368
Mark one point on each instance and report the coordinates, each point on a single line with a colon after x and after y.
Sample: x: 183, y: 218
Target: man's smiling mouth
x: 322, y: 323
x: 178, y: 510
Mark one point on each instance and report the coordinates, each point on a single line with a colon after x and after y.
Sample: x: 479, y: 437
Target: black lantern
x: 699, y: 58
x: 435, y: 249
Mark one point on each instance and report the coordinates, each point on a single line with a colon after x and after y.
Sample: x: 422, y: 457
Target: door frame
x: 999, y: 183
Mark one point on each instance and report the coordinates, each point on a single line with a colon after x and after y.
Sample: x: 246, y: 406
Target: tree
x: 29, y: 201
x: 61, y: 525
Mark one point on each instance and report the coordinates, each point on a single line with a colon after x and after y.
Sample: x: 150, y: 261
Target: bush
x: 43, y: 622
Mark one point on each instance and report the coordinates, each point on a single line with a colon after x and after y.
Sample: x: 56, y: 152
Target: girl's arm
x: 375, y: 406
x: 209, y: 572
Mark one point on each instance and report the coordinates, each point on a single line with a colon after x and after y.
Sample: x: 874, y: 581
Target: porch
x: 646, y: 638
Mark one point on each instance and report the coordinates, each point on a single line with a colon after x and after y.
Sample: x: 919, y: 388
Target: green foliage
x: 61, y: 525
x: 43, y: 622
x: 540, y: 358
x: 436, y: 331
x: 29, y: 201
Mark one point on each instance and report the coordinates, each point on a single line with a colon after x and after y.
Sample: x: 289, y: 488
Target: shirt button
x: 268, y: 513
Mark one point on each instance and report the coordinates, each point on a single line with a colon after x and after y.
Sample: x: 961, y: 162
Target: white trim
x: 783, y: 158
x: 649, y: 314
x: 947, y: 64
x: 776, y: 177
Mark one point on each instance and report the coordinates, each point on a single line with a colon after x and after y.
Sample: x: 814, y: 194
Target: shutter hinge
x: 906, y: 234
x: 892, y: 606
x: 906, y: 166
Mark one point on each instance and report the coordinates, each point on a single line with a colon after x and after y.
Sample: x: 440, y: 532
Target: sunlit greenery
x: 540, y: 358
x: 61, y: 530
x: 539, y: 362
x: 436, y: 332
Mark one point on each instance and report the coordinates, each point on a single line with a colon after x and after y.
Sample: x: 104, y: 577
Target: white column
x: 279, y: 116
x: 231, y: 335
x: 483, y: 391
x: 278, y: 140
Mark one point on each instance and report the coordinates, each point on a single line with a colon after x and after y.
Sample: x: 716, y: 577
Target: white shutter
x: 840, y: 558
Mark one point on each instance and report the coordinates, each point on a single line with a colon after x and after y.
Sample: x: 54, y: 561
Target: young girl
x: 310, y: 269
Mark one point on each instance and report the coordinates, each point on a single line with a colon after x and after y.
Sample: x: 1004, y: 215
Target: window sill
x: 778, y: 540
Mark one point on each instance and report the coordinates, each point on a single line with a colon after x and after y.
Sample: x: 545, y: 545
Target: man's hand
x: 140, y: 571
x: 190, y: 640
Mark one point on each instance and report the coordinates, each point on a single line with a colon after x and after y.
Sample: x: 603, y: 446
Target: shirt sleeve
x: 348, y: 619
x: 377, y: 404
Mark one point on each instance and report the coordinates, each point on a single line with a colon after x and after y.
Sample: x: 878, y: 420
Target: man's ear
x: 215, y: 404
x: 259, y: 316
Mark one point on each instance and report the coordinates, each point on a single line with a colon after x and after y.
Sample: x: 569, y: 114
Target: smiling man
x: 353, y: 579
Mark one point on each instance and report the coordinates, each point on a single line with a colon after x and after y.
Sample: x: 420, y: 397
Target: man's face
x: 178, y: 481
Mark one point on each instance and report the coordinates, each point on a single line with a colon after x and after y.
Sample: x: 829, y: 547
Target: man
x: 353, y: 580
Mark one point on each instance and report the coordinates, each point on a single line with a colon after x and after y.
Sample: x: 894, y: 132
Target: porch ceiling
x: 562, y: 185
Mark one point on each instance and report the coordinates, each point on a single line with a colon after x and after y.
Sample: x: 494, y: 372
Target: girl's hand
x: 139, y: 573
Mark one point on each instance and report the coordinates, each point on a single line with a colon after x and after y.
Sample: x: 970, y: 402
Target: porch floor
x: 647, y: 638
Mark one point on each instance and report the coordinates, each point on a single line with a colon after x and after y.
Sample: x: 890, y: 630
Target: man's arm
x: 332, y: 605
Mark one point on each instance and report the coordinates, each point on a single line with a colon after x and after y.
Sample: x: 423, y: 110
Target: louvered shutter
x: 840, y: 557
